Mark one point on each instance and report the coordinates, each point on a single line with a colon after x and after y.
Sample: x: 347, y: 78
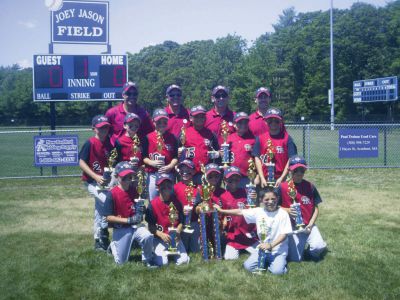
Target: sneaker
x: 150, y: 265
x: 98, y: 246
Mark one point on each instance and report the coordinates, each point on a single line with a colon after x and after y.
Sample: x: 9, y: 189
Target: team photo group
x: 187, y: 180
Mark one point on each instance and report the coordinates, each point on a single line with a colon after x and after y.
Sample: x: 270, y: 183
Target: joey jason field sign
x: 80, y: 22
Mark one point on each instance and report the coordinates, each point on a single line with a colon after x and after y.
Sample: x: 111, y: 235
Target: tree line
x: 293, y: 61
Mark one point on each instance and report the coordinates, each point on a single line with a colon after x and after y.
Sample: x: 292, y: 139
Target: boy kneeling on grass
x: 125, y: 216
x: 301, y: 191
x: 273, y: 224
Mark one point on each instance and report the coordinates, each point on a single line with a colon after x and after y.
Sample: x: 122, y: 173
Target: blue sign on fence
x: 358, y: 143
x: 80, y: 22
x: 56, y: 150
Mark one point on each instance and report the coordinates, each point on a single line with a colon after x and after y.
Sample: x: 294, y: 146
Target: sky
x: 135, y: 24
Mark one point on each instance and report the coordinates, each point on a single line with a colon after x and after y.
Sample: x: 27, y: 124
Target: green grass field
x: 320, y: 149
x: 47, y: 248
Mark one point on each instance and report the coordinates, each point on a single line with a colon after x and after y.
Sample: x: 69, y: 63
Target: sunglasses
x: 175, y: 95
x: 273, y: 120
x: 299, y: 170
x: 131, y: 94
x: 221, y: 96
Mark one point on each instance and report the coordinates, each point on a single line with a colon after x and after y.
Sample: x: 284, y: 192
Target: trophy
x: 262, y: 254
x: 188, y: 208
x: 251, y: 187
x: 172, y: 216
x: 160, y: 147
x: 134, y: 160
x: 210, y: 239
x: 182, y: 138
x: 112, y: 159
x: 269, y: 156
x: 225, y: 146
x: 139, y: 202
x: 292, y: 192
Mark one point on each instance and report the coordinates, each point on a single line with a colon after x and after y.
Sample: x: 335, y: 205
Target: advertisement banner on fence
x: 53, y: 150
x: 358, y: 143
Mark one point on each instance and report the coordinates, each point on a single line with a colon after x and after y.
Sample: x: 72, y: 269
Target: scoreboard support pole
x: 52, y: 115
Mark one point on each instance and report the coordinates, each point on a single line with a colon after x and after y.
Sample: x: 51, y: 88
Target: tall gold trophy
x: 251, y: 187
x: 172, y: 231
x: 160, y: 146
x: 188, y: 208
x: 225, y: 146
x: 269, y: 157
x: 262, y: 254
x: 134, y: 159
x: 111, y: 161
x: 292, y: 192
x: 140, y: 202
x: 182, y: 139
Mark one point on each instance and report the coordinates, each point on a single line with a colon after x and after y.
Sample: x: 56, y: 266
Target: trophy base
x: 259, y: 271
x: 300, y: 230
x: 250, y: 205
x: 271, y: 183
x: 102, y: 188
x: 188, y: 230
x: 172, y: 252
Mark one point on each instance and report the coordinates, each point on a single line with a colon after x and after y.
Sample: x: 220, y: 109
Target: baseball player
x: 241, y: 145
x: 157, y: 217
x: 185, y: 191
x: 306, y: 194
x: 116, y: 114
x: 240, y: 235
x: 282, y: 148
x: 257, y: 123
x: 161, y: 151
x: 199, y: 141
x: 273, y: 224
x: 125, y: 216
x: 220, y: 112
x: 178, y: 115
x: 92, y: 160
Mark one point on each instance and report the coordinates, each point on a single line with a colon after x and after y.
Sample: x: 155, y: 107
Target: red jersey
x: 124, y: 149
x: 257, y: 124
x: 238, y: 230
x: 304, y: 195
x: 95, y: 153
x: 280, y: 149
x: 158, y: 211
x: 241, y: 148
x: 169, y: 150
x: 214, y: 121
x: 116, y: 116
x: 180, y: 193
x: 123, y: 202
x: 177, y: 121
x: 198, y: 143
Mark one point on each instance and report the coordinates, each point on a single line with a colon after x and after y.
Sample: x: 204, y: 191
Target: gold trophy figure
x: 135, y: 150
x: 270, y: 155
x: 292, y: 192
x: 172, y: 231
x: 225, y: 145
x: 182, y: 139
x: 111, y: 161
x: 139, y: 202
x: 262, y: 255
x: 160, y: 146
x: 188, y: 208
x: 251, y: 187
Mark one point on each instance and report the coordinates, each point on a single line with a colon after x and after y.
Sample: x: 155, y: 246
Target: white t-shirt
x: 275, y: 223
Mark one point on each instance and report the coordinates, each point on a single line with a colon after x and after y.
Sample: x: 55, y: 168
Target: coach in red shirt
x: 117, y: 114
x: 220, y: 112
x: 257, y: 124
x: 178, y: 115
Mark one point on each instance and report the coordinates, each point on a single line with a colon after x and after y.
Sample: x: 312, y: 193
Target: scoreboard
x: 378, y: 89
x: 78, y: 77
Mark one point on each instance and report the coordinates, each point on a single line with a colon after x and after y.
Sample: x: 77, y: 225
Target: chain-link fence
x: 316, y: 142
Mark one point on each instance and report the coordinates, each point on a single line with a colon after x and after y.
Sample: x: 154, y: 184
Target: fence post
x: 308, y: 145
x: 385, y: 145
x: 304, y: 140
x: 40, y: 133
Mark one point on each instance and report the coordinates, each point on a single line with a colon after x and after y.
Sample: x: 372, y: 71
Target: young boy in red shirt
x: 93, y: 159
x: 125, y: 216
x: 158, y: 218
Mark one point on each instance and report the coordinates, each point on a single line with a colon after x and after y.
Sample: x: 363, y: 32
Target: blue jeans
x: 276, y: 263
x: 298, y: 241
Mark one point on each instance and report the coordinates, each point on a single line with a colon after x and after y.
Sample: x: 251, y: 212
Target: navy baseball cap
x: 159, y: 113
x: 232, y: 170
x: 263, y: 90
x: 273, y: 113
x: 161, y: 177
x: 297, y: 161
x: 128, y: 85
x: 173, y: 87
x: 186, y: 162
x: 220, y: 88
x: 198, y: 109
x: 100, y: 121
x: 240, y: 116
x: 123, y: 168
x: 212, y: 168
x: 130, y: 117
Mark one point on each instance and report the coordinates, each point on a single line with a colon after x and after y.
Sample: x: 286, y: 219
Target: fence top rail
x: 45, y: 131
x: 343, y: 125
